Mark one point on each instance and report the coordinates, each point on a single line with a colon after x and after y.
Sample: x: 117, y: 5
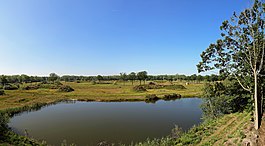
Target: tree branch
x: 247, y: 89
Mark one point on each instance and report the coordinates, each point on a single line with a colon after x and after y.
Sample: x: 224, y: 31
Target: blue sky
x: 90, y: 37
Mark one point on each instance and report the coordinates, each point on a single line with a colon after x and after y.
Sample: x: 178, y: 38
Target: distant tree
x: 99, y: 78
x: 123, y: 77
x: 142, y: 76
x: 193, y: 77
x: 199, y: 78
x: 53, y: 77
x: 3, y: 80
x: 24, y: 78
x: 132, y: 76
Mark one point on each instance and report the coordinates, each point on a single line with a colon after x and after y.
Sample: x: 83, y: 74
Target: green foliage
x: 100, y: 78
x: 151, y: 97
x: 241, y: 53
x: 65, y: 88
x: 224, y: 98
x: 4, y: 119
x: 2, y: 92
x: 167, y: 141
x: 142, y: 76
x: 132, y: 76
x: 174, y: 87
x: 10, y: 87
x: 30, y: 87
x: 176, y: 132
x: 171, y: 96
x: 53, y: 77
x: 93, y: 82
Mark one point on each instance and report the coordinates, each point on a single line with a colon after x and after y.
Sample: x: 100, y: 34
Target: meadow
x: 89, y: 91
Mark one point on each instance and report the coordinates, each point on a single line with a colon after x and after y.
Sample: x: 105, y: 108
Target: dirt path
x: 235, y: 127
x: 220, y: 130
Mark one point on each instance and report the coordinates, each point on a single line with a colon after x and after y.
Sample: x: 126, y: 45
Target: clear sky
x: 90, y: 37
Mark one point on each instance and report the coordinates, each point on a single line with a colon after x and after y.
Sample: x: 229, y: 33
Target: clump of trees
x: 224, y: 98
x: 240, y: 53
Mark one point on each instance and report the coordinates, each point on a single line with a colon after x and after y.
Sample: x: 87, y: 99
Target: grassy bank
x: 88, y: 91
x: 227, y: 130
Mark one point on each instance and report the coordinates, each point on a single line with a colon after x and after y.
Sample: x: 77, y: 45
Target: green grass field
x: 106, y: 91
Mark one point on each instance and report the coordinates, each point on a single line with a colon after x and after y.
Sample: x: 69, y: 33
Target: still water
x: 88, y: 123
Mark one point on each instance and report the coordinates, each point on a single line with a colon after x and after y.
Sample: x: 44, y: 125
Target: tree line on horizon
x: 133, y: 76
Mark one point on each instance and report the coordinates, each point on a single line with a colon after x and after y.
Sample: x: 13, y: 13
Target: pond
x: 88, y: 123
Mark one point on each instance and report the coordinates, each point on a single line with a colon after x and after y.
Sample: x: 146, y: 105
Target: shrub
x: 171, y: 96
x: 177, y: 132
x: 4, y: 119
x: 55, y: 85
x: 31, y: 87
x: 2, y: 92
x: 65, y: 88
x: 11, y: 87
x: 224, y: 98
x: 151, y: 97
x: 151, y: 83
x: 174, y: 87
x: 139, y: 88
x: 93, y: 82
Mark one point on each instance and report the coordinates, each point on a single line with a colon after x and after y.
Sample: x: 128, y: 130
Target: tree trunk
x: 256, y: 112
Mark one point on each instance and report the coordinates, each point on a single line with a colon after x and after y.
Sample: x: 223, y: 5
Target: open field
x: 106, y: 91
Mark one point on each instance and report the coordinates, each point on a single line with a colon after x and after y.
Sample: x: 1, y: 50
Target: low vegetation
x: 2, y: 92
x: 10, y: 86
x: 171, y: 96
x: 139, y: 88
x: 65, y: 88
x: 225, y: 130
x: 87, y: 91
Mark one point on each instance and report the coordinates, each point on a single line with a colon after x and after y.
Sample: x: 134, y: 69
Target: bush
x: 55, y: 85
x: 11, y: 87
x: 151, y: 83
x: 65, y: 88
x: 2, y: 92
x: 31, y: 87
x: 171, y: 96
x: 58, y: 83
x: 174, y: 87
x: 139, y: 88
x: 4, y: 119
x: 93, y: 82
x: 151, y: 97
x: 224, y: 98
